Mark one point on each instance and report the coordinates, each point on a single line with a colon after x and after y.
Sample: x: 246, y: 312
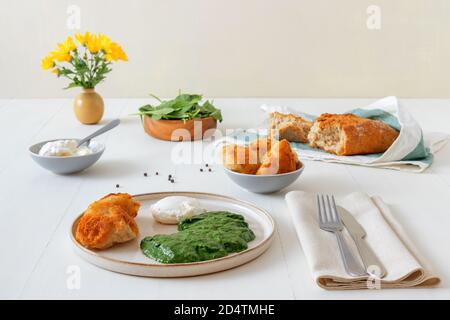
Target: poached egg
x: 173, y: 209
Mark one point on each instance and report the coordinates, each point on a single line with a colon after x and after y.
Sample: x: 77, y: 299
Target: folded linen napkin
x: 405, y: 267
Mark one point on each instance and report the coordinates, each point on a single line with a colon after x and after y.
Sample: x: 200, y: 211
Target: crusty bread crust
x: 123, y: 200
x: 245, y: 159
x: 348, y: 134
x: 237, y: 158
x: 288, y: 126
x: 108, y: 221
x: 280, y: 159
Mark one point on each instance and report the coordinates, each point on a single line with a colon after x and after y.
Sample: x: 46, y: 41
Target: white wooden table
x: 37, y: 207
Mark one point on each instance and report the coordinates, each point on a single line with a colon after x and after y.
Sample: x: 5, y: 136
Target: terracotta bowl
x: 179, y: 130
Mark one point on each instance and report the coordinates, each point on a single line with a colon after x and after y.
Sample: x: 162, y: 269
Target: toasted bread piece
x: 348, y: 134
x: 245, y: 159
x: 280, y: 159
x: 261, y: 146
x: 240, y: 159
x: 123, y: 200
x: 108, y: 221
x: 289, y: 127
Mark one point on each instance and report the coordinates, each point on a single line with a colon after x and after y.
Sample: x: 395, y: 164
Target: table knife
x: 358, y: 233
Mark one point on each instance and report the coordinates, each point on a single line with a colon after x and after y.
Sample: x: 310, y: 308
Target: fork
x: 329, y: 220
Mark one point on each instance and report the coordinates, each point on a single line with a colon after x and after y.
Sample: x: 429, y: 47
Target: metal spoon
x: 100, y: 131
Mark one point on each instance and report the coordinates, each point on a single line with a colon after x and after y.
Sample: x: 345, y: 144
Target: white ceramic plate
x: 127, y: 257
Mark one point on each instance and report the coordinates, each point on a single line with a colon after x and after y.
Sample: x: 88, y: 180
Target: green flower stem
x: 85, y: 70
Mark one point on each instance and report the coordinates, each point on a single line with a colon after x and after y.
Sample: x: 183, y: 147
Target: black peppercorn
x: 117, y: 185
x: 209, y: 170
x: 145, y: 174
x: 201, y: 170
x: 156, y: 173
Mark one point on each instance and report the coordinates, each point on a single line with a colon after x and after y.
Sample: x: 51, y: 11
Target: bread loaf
x: 348, y: 134
x: 289, y: 127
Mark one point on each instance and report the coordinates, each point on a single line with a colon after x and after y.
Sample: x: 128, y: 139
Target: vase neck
x: 88, y: 90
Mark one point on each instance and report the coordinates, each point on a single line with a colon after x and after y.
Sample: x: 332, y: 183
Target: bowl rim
x: 101, y: 145
x: 300, y: 169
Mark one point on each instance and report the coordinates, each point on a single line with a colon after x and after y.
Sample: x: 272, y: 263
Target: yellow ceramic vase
x: 88, y: 106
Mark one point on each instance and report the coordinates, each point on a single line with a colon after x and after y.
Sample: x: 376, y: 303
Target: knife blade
x: 371, y: 262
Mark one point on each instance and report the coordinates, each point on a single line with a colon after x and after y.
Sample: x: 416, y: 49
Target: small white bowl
x: 264, y: 183
x: 66, y: 165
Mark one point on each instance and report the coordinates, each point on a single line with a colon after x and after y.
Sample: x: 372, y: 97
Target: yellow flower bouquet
x: 86, y: 62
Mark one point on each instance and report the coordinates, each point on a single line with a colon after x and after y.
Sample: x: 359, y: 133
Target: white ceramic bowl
x: 66, y: 165
x: 264, y: 183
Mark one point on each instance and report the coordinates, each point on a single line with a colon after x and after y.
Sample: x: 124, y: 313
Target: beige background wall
x: 231, y: 48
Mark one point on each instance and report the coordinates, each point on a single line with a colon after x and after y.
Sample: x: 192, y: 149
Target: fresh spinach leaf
x: 183, y: 107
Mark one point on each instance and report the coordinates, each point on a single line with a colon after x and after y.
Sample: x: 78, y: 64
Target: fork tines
x: 328, y: 215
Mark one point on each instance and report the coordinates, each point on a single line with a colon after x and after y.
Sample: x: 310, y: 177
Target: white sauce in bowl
x: 64, y: 148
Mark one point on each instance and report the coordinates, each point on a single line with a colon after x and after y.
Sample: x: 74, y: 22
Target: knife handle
x: 369, y: 258
x: 352, y: 266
